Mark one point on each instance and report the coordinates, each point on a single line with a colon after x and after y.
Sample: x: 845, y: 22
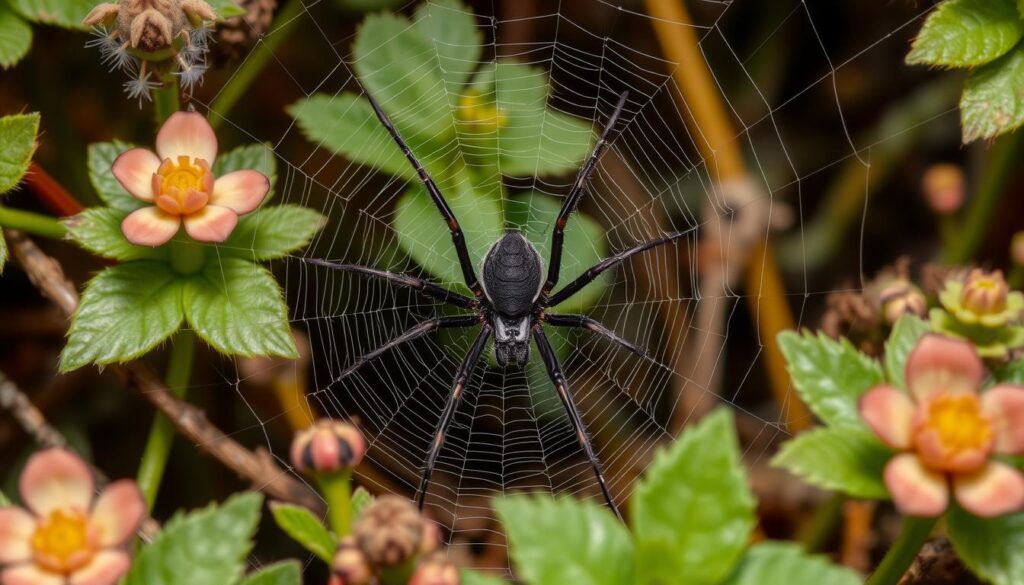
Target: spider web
x: 510, y: 433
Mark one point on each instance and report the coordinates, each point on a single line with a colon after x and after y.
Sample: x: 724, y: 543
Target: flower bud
x: 943, y: 188
x: 1017, y: 249
x: 349, y: 566
x: 984, y: 293
x: 901, y: 298
x: 435, y: 572
x: 390, y: 531
x: 327, y: 447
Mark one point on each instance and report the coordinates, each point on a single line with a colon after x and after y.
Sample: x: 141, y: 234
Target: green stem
x: 1015, y: 279
x: 32, y: 223
x: 337, y: 491
x: 165, y: 100
x: 913, y: 535
x: 822, y: 525
x: 1002, y: 163
x: 187, y: 257
x: 250, y: 69
x: 161, y: 434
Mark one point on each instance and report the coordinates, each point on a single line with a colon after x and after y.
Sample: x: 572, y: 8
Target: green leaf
x: 844, y: 459
x: 305, y: 529
x: 63, y: 13
x: 993, y: 548
x: 360, y: 500
x: 258, y: 157
x: 4, y: 500
x: 226, y: 8
x: 829, y: 375
x: 1011, y: 373
x: 126, y: 310
x: 272, y: 232
x: 283, y: 573
x: 98, y: 230
x: 693, y: 512
x: 967, y: 33
x: 398, y: 65
x: 993, y: 98
x: 17, y: 144
x: 784, y: 562
x: 423, y: 234
x: 3, y: 251
x: 533, y: 215
x: 15, y: 37
x: 451, y: 25
x: 236, y: 307
x: 907, y: 330
x: 560, y: 541
x: 471, y: 577
x: 101, y: 157
x: 206, y: 547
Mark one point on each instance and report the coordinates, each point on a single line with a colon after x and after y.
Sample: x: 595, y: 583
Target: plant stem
x: 247, y: 72
x: 165, y: 99
x: 187, y: 257
x: 912, y: 536
x: 161, y: 434
x: 337, y: 491
x: 32, y: 223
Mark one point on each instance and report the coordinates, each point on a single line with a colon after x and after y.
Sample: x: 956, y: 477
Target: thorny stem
x: 32, y: 223
x: 902, y: 553
x: 336, y: 489
x: 250, y: 69
x: 161, y: 434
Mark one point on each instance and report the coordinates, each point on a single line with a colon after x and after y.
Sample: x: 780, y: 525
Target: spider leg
x: 458, y: 386
x: 416, y: 331
x: 574, y: 196
x: 562, y: 387
x: 427, y: 288
x: 458, y: 238
x: 594, y: 271
x: 593, y: 326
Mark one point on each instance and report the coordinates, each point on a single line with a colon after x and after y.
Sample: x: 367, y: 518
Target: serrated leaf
x: 63, y: 13
x: 471, y: 577
x: 206, y: 547
x: 993, y: 548
x: 828, y: 375
x: 17, y: 144
x: 98, y: 230
x: 559, y: 541
x: 360, y: 500
x: 843, y: 459
x: 1011, y: 373
x: 3, y: 251
x: 101, y: 157
x: 258, y: 157
x: 693, y: 512
x: 784, y: 562
x: 226, y: 8
x: 236, y: 307
x: 967, y: 33
x: 993, y: 98
x: 452, y: 27
x: 15, y: 37
x: 125, y: 311
x: 283, y: 573
x: 272, y: 232
x: 305, y: 529
x: 905, y: 334
x: 398, y: 65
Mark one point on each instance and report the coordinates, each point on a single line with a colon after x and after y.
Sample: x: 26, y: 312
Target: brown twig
x: 258, y: 467
x: 50, y: 193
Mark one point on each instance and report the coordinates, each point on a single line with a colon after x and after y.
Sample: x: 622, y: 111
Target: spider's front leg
x: 594, y: 326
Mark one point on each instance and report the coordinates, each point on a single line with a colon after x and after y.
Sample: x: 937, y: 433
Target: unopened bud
x: 389, y: 531
x: 984, y: 293
x: 435, y: 572
x: 349, y: 566
x: 943, y: 188
x: 327, y: 447
x: 1017, y: 249
x: 902, y: 298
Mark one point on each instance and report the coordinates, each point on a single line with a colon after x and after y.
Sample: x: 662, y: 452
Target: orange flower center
x: 62, y: 542
x: 984, y: 295
x: 183, y: 188
x: 955, y: 434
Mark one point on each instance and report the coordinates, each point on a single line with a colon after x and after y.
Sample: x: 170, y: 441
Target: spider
x: 510, y: 301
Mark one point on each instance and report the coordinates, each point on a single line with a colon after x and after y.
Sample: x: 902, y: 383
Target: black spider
x: 510, y: 301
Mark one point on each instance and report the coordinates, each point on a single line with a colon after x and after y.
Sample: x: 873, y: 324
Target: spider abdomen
x: 512, y: 275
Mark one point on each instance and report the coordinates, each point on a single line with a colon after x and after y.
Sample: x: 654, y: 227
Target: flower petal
x: 994, y: 490
x: 888, y: 412
x: 211, y: 224
x: 16, y: 528
x: 938, y: 454
x: 187, y: 134
x: 915, y: 490
x: 134, y: 169
x: 240, y: 191
x: 56, y: 479
x: 1004, y: 405
x: 29, y: 574
x: 118, y: 512
x: 150, y: 226
x: 942, y: 363
x: 104, y: 569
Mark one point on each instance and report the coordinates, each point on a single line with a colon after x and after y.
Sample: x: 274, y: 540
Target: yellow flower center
x: 985, y: 294
x: 62, y: 542
x: 184, y: 187
x: 473, y: 110
x: 961, y: 430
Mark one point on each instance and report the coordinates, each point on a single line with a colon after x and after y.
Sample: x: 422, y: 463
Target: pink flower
x: 179, y: 181
x: 948, y: 433
x: 66, y: 537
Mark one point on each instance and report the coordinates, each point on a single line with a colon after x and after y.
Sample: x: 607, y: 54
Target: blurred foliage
x: 17, y: 144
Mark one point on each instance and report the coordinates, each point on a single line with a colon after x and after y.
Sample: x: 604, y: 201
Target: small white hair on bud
x: 140, y: 87
x: 190, y: 74
x: 201, y: 37
x: 113, y: 52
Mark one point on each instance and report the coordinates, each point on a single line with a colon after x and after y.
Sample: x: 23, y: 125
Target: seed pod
x: 435, y: 572
x: 390, y: 531
x: 328, y: 446
x: 349, y: 566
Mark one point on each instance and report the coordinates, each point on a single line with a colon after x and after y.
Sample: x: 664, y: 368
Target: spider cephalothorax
x: 511, y: 301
